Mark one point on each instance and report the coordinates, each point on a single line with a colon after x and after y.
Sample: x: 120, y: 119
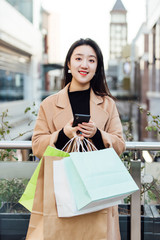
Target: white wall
x: 153, y: 12
x: 17, y: 30
x: 54, y: 39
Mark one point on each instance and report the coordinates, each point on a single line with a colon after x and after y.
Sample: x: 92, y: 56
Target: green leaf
x: 149, y: 128
x: 154, y: 117
x: 27, y: 109
x: 141, y: 109
x: 154, y: 129
x: 8, y: 150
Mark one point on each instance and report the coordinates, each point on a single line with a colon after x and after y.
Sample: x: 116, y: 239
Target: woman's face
x: 83, y: 65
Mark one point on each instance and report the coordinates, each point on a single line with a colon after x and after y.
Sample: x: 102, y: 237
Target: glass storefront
x: 14, y: 70
x: 11, y: 86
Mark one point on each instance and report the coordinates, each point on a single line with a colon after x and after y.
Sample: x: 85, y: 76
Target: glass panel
x: 11, y: 86
x: 118, y: 28
x: 118, y: 18
x: 25, y: 7
x: 124, y: 32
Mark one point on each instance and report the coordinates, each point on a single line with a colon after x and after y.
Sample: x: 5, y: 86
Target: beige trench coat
x: 55, y: 111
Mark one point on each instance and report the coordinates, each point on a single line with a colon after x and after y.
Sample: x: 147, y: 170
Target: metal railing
x: 135, y: 172
x: 155, y: 146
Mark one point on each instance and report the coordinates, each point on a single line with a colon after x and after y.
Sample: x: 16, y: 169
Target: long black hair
x: 98, y: 82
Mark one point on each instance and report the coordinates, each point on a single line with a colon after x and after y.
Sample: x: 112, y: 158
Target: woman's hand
x: 70, y: 131
x: 87, y: 130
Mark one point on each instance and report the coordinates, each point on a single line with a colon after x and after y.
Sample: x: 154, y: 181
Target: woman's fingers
x: 70, y: 131
x: 88, y: 129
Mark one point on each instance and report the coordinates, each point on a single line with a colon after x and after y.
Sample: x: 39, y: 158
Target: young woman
x: 85, y: 92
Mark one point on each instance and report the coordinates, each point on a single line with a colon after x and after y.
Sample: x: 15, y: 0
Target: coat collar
x: 63, y: 99
x: 98, y: 114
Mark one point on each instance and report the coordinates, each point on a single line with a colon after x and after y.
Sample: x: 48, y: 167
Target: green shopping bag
x: 28, y: 196
x: 98, y: 176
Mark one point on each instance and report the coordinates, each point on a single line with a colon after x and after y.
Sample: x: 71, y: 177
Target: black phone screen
x: 79, y: 118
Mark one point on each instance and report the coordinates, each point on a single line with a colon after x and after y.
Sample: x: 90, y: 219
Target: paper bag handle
x: 79, y: 144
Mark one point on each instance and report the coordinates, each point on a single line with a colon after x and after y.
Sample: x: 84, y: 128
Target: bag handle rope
x: 85, y: 145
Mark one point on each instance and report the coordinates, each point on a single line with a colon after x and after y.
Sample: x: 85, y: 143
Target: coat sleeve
x: 112, y: 135
x: 42, y: 136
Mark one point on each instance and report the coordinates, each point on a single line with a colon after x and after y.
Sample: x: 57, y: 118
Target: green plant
x: 152, y: 188
x: 5, y: 127
x: 153, y: 125
x: 11, y: 191
x: 153, y: 122
x: 5, y: 154
x: 127, y: 129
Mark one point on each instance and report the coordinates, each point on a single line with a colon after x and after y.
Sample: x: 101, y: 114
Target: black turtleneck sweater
x: 80, y: 103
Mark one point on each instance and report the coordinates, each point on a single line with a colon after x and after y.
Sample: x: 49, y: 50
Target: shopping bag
x: 46, y: 225
x: 28, y: 196
x: 66, y: 205
x: 96, y: 179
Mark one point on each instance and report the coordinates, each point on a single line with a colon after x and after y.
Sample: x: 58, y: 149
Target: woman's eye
x: 92, y: 60
x: 78, y: 59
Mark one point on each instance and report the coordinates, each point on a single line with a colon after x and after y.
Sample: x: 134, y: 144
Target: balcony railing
x: 155, y: 146
x: 135, y: 172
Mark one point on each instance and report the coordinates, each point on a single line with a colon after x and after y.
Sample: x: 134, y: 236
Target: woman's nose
x: 84, y: 63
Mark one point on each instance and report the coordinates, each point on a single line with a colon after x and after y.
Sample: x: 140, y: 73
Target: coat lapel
x: 99, y: 115
x: 65, y: 114
x: 64, y: 110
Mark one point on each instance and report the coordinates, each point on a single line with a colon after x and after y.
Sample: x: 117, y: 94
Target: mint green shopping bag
x: 98, y: 176
x: 28, y: 196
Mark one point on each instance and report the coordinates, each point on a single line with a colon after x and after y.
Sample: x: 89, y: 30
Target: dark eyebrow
x: 79, y: 54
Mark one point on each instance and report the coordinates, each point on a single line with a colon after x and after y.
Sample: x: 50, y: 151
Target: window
x: 11, y: 86
x: 118, y: 18
x: 14, y: 70
x: 25, y: 7
x: 124, y: 32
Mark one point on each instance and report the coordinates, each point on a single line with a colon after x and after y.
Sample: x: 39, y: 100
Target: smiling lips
x: 83, y: 73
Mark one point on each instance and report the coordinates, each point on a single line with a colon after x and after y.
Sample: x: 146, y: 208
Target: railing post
x: 136, y: 201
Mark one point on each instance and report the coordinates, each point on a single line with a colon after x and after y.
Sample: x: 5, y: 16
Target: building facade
x: 118, y: 30
x: 153, y: 47
x: 52, y: 67
x: 146, y: 67
x: 20, y: 60
x: 118, y: 39
x: 119, y: 70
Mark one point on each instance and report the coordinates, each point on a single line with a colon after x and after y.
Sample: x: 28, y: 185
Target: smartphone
x: 79, y: 118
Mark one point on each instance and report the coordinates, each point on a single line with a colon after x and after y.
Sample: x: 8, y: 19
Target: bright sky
x: 91, y: 18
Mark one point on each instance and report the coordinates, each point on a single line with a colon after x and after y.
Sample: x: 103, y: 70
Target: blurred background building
x: 118, y: 74
x: 20, y: 60
x: 133, y: 70
x: 118, y: 39
x: 145, y: 61
x: 26, y: 57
